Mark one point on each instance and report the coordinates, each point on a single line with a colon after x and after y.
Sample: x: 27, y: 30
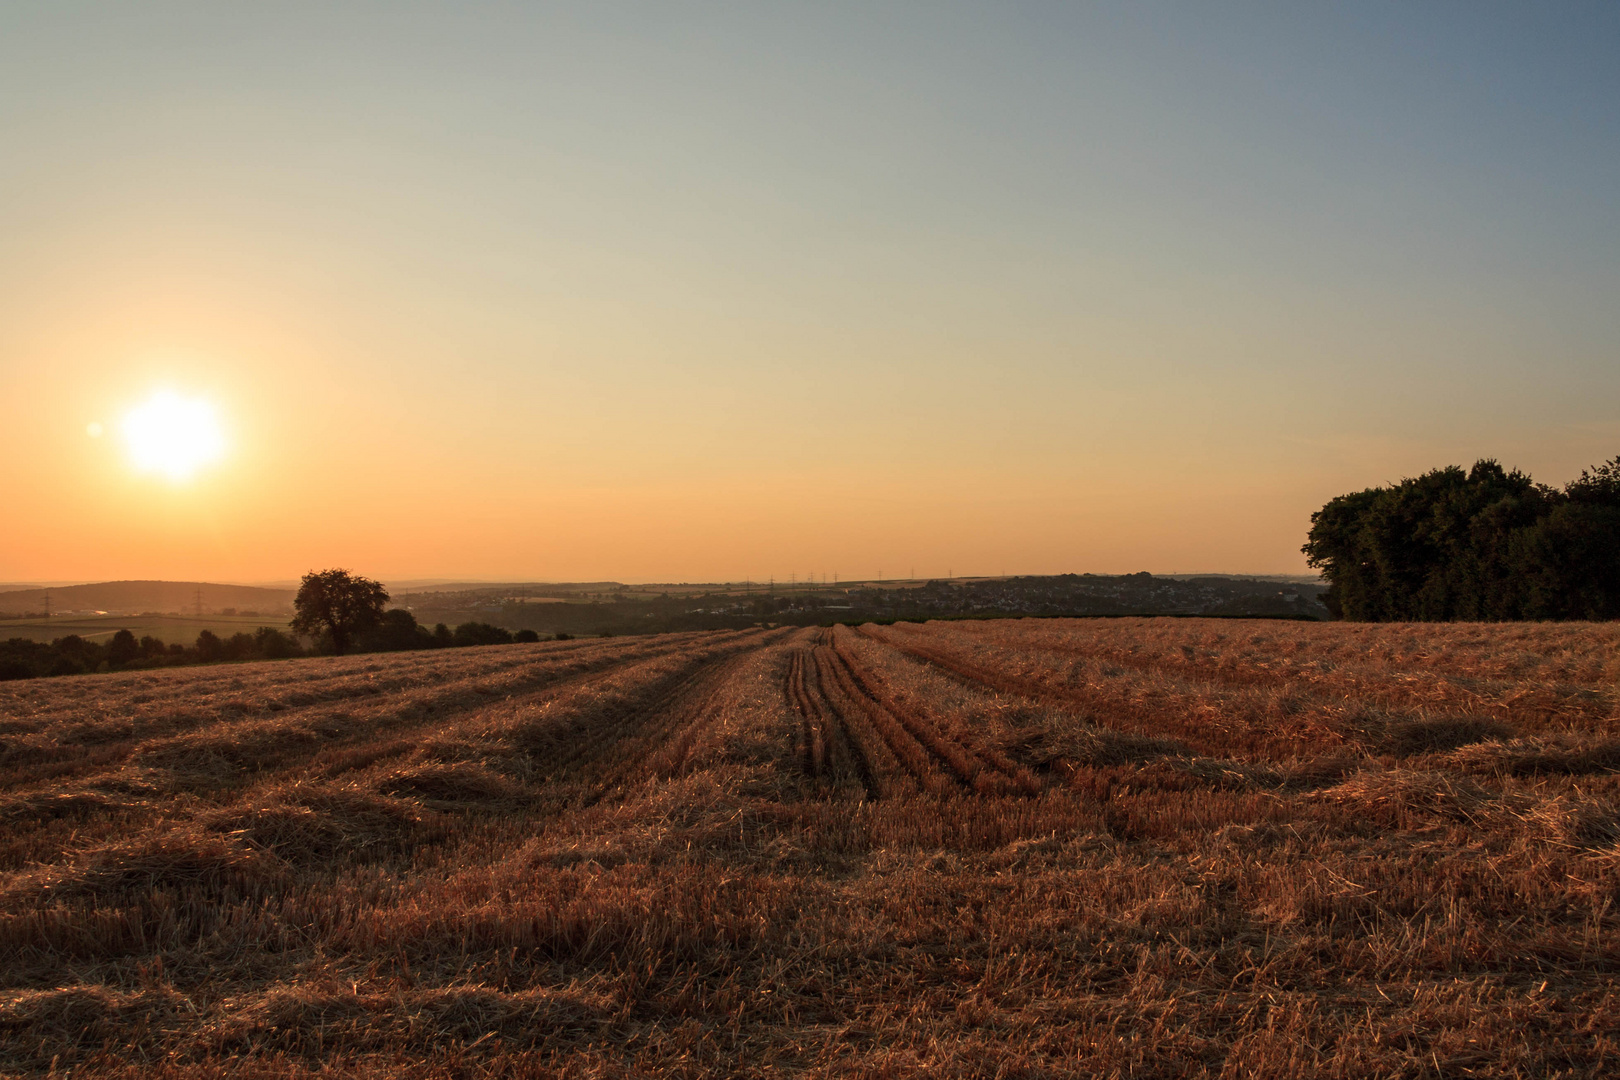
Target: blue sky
x: 699, y: 291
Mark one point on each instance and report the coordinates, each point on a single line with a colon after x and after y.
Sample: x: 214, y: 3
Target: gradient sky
x: 699, y: 292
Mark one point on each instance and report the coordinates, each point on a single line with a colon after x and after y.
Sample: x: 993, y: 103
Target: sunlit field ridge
x: 1020, y: 847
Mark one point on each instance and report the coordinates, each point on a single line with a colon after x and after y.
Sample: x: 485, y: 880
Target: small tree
x: 339, y: 604
x: 396, y: 630
x: 239, y: 646
x: 122, y: 648
x: 272, y: 644
x: 210, y: 647
x: 481, y: 633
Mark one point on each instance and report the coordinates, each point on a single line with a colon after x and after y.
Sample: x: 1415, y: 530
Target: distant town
x: 609, y: 608
x: 98, y: 610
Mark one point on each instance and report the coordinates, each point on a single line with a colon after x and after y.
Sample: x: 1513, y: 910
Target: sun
x: 173, y: 435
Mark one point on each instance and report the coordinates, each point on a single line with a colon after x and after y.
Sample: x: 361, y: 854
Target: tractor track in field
x: 302, y: 685
x: 1460, y: 701
x: 300, y: 758
x: 655, y: 731
x: 263, y: 749
x: 689, y: 692
x: 955, y: 752
x: 1180, y: 722
x: 573, y: 681
x: 1106, y: 711
x: 1453, y: 697
x: 812, y: 733
x: 659, y: 738
x: 450, y: 704
x: 890, y: 746
x: 978, y: 677
x: 972, y: 675
x: 831, y: 753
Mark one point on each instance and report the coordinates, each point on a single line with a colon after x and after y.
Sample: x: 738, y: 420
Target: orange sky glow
x: 525, y: 297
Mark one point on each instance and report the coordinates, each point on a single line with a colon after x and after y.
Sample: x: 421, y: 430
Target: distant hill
x: 398, y: 589
x: 122, y: 597
x: 20, y: 586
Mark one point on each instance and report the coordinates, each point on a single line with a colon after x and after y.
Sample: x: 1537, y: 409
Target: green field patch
x: 182, y: 629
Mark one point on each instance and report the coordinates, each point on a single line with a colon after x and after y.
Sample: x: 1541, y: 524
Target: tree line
x: 335, y: 612
x: 1486, y: 544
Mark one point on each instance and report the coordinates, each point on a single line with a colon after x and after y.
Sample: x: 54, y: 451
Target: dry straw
x: 1020, y: 848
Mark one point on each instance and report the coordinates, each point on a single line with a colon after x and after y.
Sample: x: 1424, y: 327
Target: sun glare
x: 173, y: 435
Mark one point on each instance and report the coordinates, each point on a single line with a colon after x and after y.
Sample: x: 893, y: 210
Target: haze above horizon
x: 702, y: 293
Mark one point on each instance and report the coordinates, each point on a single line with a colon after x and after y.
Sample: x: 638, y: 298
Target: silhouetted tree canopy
x: 338, y: 605
x: 210, y: 647
x: 396, y: 630
x: 122, y: 648
x: 272, y: 644
x: 1486, y: 544
x: 240, y: 646
x: 21, y: 658
x: 481, y: 633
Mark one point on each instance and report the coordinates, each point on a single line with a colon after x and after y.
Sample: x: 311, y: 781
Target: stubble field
x: 1032, y: 848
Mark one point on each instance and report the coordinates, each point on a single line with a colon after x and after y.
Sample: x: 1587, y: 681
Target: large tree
x: 339, y: 605
x: 1485, y: 544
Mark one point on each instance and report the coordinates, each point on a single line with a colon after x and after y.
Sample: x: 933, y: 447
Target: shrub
x: 272, y: 644
x: 396, y: 630
x: 240, y: 646
x: 478, y: 633
x: 210, y: 647
x: 122, y: 648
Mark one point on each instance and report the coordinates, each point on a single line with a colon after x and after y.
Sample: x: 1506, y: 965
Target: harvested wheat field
x: 1021, y: 848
